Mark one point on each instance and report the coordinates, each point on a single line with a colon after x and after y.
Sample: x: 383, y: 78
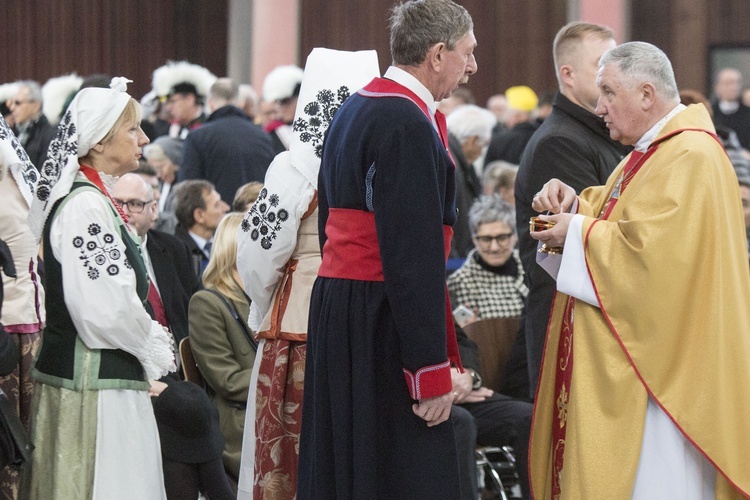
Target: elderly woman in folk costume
x: 23, y: 307
x: 278, y: 258
x: 92, y: 420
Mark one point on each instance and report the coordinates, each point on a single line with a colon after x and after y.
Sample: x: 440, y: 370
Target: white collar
x: 645, y: 141
x: 398, y: 75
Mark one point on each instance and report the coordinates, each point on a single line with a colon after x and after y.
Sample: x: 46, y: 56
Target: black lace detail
x: 264, y: 219
x: 99, y: 253
x: 29, y: 174
x: 62, y: 146
x: 320, y: 114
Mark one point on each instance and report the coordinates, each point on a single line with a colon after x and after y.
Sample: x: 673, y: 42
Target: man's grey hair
x: 489, y: 209
x: 417, y: 25
x: 35, y: 91
x: 642, y: 62
x: 471, y: 120
x: 224, y: 89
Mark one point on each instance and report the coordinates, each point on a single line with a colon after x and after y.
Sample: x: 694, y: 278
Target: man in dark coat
x: 167, y: 259
x: 378, y: 392
x: 729, y: 111
x: 508, y: 145
x: 31, y: 126
x: 572, y: 144
x: 228, y: 150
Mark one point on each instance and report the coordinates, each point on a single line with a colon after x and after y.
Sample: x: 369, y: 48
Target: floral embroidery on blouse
x: 99, y: 252
x: 264, y: 219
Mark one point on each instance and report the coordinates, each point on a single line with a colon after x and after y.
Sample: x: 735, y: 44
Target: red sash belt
x: 351, y: 252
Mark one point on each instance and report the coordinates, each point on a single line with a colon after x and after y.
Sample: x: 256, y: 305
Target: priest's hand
x: 435, y: 410
x: 555, y: 196
x: 554, y: 237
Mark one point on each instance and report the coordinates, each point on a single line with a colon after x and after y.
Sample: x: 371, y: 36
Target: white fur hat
x: 8, y: 90
x: 282, y: 83
x: 56, y: 92
x: 183, y: 75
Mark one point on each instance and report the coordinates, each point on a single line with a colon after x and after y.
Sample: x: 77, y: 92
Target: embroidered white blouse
x: 267, y: 238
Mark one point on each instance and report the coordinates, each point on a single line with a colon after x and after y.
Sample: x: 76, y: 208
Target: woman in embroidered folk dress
x: 222, y: 345
x: 23, y: 311
x: 92, y: 420
x: 278, y: 260
x: 490, y: 282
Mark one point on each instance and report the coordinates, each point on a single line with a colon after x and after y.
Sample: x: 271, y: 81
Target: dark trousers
x: 499, y: 421
x: 184, y: 481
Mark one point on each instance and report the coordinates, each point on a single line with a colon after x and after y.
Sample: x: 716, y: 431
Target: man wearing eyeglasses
x: 167, y: 259
x: 33, y: 130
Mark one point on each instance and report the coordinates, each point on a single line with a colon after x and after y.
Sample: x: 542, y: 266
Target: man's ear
x: 566, y: 75
x: 435, y: 55
x: 648, y: 93
x: 198, y: 214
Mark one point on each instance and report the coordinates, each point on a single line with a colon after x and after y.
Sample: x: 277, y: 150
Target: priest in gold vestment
x: 643, y: 390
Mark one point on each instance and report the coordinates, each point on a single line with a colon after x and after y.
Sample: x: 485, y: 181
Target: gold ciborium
x: 536, y: 224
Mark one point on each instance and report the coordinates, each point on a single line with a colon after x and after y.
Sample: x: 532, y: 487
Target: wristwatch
x: 476, y: 380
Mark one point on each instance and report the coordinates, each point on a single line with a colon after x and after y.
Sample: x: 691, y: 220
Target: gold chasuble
x: 670, y: 270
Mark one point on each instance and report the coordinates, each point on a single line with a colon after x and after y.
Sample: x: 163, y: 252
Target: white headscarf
x: 330, y: 77
x: 89, y: 118
x: 13, y: 159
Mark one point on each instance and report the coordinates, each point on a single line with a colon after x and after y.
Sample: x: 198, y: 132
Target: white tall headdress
x: 90, y: 116
x: 330, y: 77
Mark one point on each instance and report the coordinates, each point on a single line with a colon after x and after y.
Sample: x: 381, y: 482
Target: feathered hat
x: 56, y: 93
x: 282, y: 83
x: 182, y: 77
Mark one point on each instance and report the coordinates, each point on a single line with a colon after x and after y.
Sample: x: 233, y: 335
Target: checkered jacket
x: 491, y: 295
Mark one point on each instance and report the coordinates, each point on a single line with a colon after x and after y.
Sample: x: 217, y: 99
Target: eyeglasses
x: 501, y: 239
x: 133, y: 206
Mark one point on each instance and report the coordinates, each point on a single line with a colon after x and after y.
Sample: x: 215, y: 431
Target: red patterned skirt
x: 278, y: 419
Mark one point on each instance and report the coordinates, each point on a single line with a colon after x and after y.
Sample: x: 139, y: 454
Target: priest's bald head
x: 637, y: 88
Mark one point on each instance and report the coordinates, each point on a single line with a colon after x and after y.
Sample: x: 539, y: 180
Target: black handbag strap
x: 236, y: 316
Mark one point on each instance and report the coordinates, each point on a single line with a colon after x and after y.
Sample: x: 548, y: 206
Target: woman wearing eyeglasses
x: 490, y: 282
x: 92, y: 421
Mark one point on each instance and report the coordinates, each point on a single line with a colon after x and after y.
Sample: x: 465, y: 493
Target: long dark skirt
x: 360, y: 438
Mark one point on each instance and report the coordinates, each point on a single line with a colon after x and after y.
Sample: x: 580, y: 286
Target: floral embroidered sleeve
x: 99, y: 284
x: 268, y: 233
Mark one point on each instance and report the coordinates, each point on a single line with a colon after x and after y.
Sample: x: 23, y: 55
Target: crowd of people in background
x: 194, y: 220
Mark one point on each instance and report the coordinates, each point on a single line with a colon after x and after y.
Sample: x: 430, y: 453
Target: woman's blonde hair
x: 131, y: 114
x: 219, y: 273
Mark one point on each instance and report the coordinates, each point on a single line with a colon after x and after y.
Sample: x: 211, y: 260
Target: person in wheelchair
x: 483, y: 417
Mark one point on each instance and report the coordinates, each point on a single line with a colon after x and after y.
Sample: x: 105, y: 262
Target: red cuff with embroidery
x: 430, y: 381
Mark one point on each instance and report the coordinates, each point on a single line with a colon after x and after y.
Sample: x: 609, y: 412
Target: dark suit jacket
x: 40, y: 135
x: 177, y: 282
x: 228, y: 150
x: 196, y: 253
x: 509, y: 145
